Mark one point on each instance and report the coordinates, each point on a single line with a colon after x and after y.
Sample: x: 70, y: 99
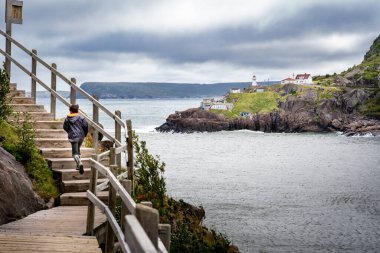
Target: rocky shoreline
x: 304, y: 113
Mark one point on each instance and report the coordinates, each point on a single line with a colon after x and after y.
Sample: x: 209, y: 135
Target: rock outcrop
x: 17, y: 198
x: 303, y: 113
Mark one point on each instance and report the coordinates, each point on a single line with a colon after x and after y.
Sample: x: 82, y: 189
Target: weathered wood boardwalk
x: 59, y: 229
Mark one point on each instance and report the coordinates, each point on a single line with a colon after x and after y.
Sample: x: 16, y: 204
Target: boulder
x: 17, y: 198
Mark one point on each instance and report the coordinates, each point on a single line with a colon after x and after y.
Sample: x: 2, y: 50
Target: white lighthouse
x: 254, y: 83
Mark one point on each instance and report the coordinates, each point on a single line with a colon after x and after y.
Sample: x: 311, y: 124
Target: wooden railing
x: 142, y: 233
x: 94, y: 122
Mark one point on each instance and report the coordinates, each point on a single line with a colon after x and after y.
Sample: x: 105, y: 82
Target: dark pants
x: 75, y: 147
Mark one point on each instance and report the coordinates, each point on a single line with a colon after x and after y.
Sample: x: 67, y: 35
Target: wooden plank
x: 62, y: 220
x: 16, y: 242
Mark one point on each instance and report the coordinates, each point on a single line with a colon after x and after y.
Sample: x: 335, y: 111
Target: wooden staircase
x: 54, y: 145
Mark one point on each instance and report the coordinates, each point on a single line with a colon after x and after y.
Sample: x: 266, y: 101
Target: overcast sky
x: 202, y: 41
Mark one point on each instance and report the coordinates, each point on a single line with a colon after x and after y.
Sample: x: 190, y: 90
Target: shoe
x: 81, y: 171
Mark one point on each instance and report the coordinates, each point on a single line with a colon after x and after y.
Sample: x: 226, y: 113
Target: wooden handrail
x: 115, y: 226
x: 65, y: 79
x: 124, y: 195
x: 57, y: 95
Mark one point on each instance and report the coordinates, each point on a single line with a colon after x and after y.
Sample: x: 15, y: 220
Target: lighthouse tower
x: 254, y: 83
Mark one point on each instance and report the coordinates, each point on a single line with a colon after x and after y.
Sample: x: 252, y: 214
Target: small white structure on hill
x: 300, y: 79
x: 254, y: 83
x: 235, y: 90
x: 287, y: 80
x: 216, y: 104
x: 304, y: 79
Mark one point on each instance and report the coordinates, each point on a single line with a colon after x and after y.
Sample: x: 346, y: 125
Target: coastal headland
x: 348, y: 102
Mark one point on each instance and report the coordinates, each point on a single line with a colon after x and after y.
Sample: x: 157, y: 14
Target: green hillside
x: 366, y: 74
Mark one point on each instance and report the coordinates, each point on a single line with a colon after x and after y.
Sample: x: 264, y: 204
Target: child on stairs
x: 76, y: 127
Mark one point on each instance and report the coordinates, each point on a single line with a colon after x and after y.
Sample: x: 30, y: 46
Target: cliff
x: 347, y: 102
x: 298, y: 109
x: 366, y: 74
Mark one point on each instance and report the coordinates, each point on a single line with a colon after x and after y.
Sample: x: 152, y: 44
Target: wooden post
x: 135, y: 236
x: 95, y: 118
x: 53, y: 99
x: 73, y: 92
x: 130, y: 151
x: 164, y: 232
x: 8, y: 43
x: 91, y: 207
x: 148, y: 218
x: 110, y: 237
x: 34, y: 72
x: 127, y: 184
x: 118, y: 137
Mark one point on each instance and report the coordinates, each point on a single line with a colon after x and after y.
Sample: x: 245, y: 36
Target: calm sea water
x: 267, y: 192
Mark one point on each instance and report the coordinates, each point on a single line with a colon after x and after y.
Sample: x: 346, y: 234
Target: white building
x: 254, y: 83
x: 287, y: 80
x: 235, y: 90
x: 216, y: 104
x: 300, y: 79
x: 304, y: 79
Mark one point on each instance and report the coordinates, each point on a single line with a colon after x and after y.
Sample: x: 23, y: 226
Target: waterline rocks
x: 306, y: 112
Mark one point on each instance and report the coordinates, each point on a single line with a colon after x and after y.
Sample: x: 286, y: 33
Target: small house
x: 235, y: 90
x: 304, y: 79
x: 287, y: 80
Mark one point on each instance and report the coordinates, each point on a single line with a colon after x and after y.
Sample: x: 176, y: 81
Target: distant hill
x: 46, y: 94
x: 161, y: 90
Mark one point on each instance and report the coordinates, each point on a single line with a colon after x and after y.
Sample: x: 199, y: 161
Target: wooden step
x: 13, y: 86
x: 13, y: 242
x: 34, y: 116
x: 51, y: 133
x: 21, y: 100
x: 73, y: 174
x: 65, y: 152
x: 69, y: 163
x: 27, y: 108
x: 49, y: 124
x: 52, y: 143
x: 81, y: 185
x: 80, y: 198
x: 66, y: 163
x: 16, y: 93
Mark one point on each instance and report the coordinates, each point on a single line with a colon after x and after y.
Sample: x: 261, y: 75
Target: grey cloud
x: 216, y: 45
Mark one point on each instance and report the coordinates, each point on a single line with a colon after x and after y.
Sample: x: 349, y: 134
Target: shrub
x: 5, y: 109
x: 19, y: 141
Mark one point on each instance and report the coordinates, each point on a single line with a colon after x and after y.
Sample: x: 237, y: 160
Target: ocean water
x: 268, y: 192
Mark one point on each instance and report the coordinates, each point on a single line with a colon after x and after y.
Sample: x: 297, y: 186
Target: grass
x: 254, y: 102
x: 373, y: 106
x: 17, y: 142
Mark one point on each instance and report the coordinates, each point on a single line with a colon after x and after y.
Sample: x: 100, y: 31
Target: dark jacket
x: 76, y: 126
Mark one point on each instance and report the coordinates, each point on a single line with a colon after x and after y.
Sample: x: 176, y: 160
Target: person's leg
x: 76, y: 155
x: 81, y: 171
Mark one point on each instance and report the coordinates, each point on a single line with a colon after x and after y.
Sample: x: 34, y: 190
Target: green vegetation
x: 19, y: 141
x: 226, y: 113
x: 188, y: 233
x: 365, y: 74
x: 253, y: 102
x: 5, y: 109
x: 373, y: 106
